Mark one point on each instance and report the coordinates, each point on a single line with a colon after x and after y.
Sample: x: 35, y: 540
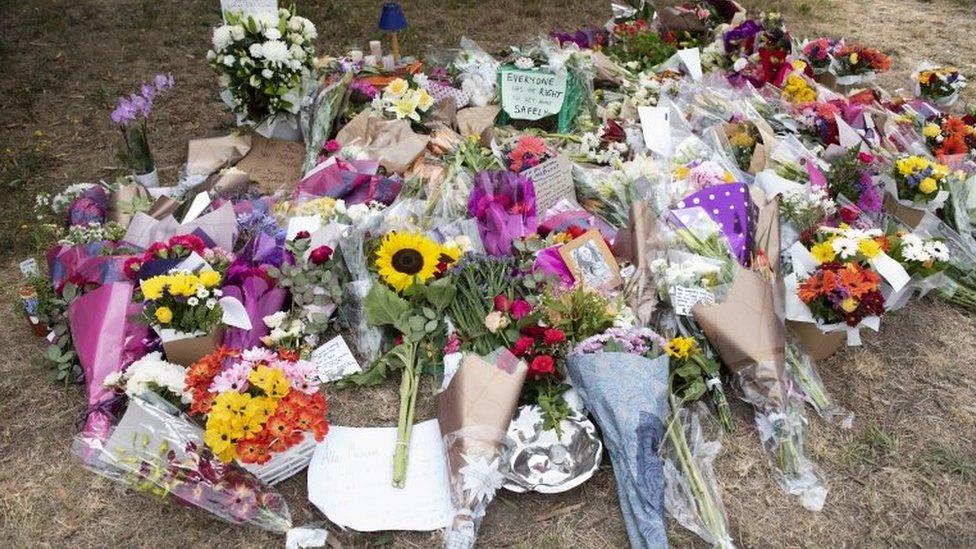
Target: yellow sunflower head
x: 404, y: 258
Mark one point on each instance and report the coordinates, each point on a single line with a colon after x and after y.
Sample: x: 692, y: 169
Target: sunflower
x: 403, y: 258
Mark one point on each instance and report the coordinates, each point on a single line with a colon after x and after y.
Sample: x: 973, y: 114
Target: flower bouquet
x: 257, y: 404
x: 411, y: 299
x: 503, y: 203
x: 261, y: 61
x: 852, y: 176
x: 948, y: 136
x: 187, y: 311
x: 181, y: 251
x: 132, y: 116
x: 857, y: 65
x: 818, y: 53
x: 608, y: 192
x: 940, y: 85
x: 919, y: 182
x: 404, y: 98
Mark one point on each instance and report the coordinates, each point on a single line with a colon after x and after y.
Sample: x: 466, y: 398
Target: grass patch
x: 952, y: 462
x: 872, y: 445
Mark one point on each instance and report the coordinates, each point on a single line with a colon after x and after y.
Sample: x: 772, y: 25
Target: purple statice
x: 636, y: 341
x: 363, y: 90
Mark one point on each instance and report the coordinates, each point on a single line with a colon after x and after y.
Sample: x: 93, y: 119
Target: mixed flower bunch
x: 256, y: 402
x: 797, y: 90
x: 261, y: 61
x: 842, y: 292
x: 950, y: 135
x: 637, y: 46
x: 939, y: 83
x: 743, y: 137
x: 151, y: 373
x: 923, y: 257
x: 918, y: 178
x: 856, y: 59
x: 404, y: 98
x: 185, y: 302
x: 819, y: 52
x: 604, y: 145
x: 853, y: 176
x: 846, y: 244
x: 695, y: 373
x: 131, y: 115
x: 176, y: 248
x: 807, y: 207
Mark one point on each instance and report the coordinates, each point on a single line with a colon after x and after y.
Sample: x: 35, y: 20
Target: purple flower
x: 148, y: 91
x: 364, y: 89
x: 870, y: 200
x: 747, y: 29
x: 163, y: 82
x: 124, y: 113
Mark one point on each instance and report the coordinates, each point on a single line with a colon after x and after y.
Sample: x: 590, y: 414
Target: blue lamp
x: 392, y: 20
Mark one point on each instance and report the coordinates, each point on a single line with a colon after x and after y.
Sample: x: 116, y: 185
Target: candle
x: 356, y: 55
x: 388, y: 62
x: 376, y: 48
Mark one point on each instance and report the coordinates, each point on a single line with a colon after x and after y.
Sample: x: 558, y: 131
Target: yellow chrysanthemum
x: 152, y: 288
x: 164, y: 315
x: 869, y: 247
x: 210, y: 278
x: 680, y: 347
x: 823, y: 252
x: 405, y: 258
x: 931, y: 130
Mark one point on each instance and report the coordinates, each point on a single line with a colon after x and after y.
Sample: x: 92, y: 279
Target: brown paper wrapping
x: 189, y: 350
x: 481, y: 394
x: 206, y: 156
x: 906, y: 214
x: 162, y: 207
x: 637, y: 244
x: 817, y: 344
x: 750, y: 337
x: 764, y: 147
x: 392, y: 142
x: 476, y: 120
x: 227, y: 182
x: 445, y: 111
x: 273, y: 164
x: 122, y: 203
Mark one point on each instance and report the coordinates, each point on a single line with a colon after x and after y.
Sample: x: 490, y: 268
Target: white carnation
x: 256, y: 50
x: 267, y: 73
x: 272, y: 34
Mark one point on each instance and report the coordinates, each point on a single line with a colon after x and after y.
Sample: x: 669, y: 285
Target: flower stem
x: 408, y: 405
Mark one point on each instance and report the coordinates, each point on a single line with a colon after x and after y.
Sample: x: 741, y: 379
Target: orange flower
x: 954, y: 126
x: 811, y: 288
x: 253, y: 451
x: 858, y: 280
x: 955, y: 144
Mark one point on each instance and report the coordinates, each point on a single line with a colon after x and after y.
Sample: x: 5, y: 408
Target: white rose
x: 224, y: 80
x: 524, y: 63
x: 237, y: 32
x: 222, y: 37
x: 267, y: 73
x: 495, y: 321
x: 272, y: 33
x: 275, y: 320
x: 256, y: 50
x: 295, y: 23
x: 296, y: 38
x: 229, y: 60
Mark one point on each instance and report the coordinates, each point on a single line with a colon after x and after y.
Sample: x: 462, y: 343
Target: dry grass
x: 904, y: 475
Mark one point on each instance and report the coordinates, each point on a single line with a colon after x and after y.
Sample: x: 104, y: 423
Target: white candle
x: 356, y: 55
x: 388, y: 63
x: 376, y: 48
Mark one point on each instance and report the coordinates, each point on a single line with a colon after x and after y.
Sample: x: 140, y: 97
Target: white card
x: 691, y: 60
x: 28, y: 268
x: 683, y: 298
x: 248, y: 7
x: 333, y: 360
x: 452, y: 362
x: 199, y: 204
x: 350, y: 479
x: 310, y: 223
x: 553, y: 181
x: 656, y: 126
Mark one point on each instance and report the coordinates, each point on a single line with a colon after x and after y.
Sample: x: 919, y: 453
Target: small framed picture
x: 591, y: 261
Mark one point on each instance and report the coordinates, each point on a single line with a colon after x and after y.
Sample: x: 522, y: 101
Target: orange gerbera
x: 859, y: 280
x: 811, y: 288
x: 253, y: 450
x: 955, y: 144
x: 954, y: 126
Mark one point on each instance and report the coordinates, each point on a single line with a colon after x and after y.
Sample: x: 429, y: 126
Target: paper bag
x: 392, y: 142
x: 206, y: 156
x: 188, y: 350
x: 819, y: 345
x: 273, y: 164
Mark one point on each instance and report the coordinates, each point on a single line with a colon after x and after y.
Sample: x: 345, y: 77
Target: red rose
x: 302, y: 234
x: 320, y: 255
x: 865, y: 157
x: 542, y: 366
x: 520, y: 308
x: 575, y: 231
x: 849, y: 214
x: 502, y: 303
x: 523, y: 346
x: 553, y: 336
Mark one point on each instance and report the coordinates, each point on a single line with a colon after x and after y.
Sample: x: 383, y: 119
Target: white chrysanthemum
x: 256, y: 50
x: 152, y: 369
x: 267, y: 73
x: 845, y: 247
x: 222, y: 37
x: 275, y: 51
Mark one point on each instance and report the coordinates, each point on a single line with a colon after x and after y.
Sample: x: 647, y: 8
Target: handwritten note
x: 684, y: 298
x: 531, y: 95
x: 248, y: 7
x: 350, y: 479
x: 334, y: 360
x: 553, y: 180
x: 273, y: 163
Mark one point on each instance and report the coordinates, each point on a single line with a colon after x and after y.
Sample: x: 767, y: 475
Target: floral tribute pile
x: 621, y: 240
